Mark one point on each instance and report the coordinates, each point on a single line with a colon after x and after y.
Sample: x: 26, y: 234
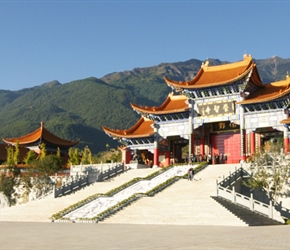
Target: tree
x: 48, y: 165
x: 30, y: 157
x: 10, y: 157
x: 58, y: 154
x: 42, y: 150
x: 74, y: 158
x: 16, y: 153
x: 270, y: 170
x: 108, y: 156
x: 6, y: 186
x: 12, y: 154
x: 86, y: 156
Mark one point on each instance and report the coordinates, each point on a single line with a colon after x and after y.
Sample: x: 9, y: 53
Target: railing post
x: 234, y: 195
x: 71, y: 185
x: 252, y: 202
x: 217, y: 188
x: 79, y: 181
x: 271, y: 210
x: 53, y: 190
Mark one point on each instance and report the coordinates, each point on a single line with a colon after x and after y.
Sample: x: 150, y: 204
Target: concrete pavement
x: 40, y: 235
x: 27, y: 235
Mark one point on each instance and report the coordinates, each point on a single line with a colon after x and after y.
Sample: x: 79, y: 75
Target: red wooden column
x: 167, y: 158
x: 190, y: 127
x: 192, y: 144
x: 242, y: 128
x: 156, y: 149
x: 173, y: 152
x: 253, y: 143
x: 156, y: 158
x: 128, y: 156
x: 285, y: 133
x: 202, y: 146
x: 286, y: 145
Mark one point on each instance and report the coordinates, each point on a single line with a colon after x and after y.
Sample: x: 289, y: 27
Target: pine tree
x: 10, y: 156
x: 30, y: 157
x: 42, y: 151
x: 86, y: 156
x: 73, y: 154
x: 16, y: 153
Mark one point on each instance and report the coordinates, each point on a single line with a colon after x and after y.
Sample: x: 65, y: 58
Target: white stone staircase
x: 183, y: 203
x: 41, y: 210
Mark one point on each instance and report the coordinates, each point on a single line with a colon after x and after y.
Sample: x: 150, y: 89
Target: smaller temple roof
x: 172, y: 104
x: 210, y: 76
x: 271, y: 91
x: 143, y: 128
x: 40, y: 134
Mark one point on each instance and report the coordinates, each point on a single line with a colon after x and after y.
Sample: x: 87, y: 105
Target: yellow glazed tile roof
x: 209, y: 76
x: 172, y: 104
x: 40, y: 133
x: 270, y: 92
x: 143, y: 128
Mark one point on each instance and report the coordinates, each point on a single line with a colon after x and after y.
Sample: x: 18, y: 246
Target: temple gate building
x: 224, y: 113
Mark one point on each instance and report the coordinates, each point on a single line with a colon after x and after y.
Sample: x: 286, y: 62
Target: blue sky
x: 60, y: 40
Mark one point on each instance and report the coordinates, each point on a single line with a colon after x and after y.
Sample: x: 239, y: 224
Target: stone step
x: 250, y: 217
x: 183, y: 203
x: 42, y: 210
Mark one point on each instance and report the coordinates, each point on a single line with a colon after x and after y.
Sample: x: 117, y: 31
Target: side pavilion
x: 41, y: 135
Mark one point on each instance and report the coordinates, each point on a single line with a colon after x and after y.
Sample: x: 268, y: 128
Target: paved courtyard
x: 41, y: 235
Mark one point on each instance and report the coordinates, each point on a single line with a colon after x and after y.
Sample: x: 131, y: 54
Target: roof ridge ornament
x: 247, y: 56
x: 205, y: 64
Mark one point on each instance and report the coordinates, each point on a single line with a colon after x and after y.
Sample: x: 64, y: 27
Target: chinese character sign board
x: 224, y: 126
x: 216, y: 108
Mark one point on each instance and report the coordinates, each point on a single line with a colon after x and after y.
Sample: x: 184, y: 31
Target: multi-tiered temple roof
x: 269, y: 92
x: 144, y: 127
x: 220, y: 75
x: 172, y: 104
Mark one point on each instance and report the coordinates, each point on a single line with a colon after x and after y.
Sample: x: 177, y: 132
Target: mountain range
x: 77, y: 110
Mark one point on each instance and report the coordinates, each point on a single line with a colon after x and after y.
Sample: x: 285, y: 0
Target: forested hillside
x: 78, y: 109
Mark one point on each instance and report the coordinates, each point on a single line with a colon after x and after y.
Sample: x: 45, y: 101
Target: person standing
x: 190, y: 174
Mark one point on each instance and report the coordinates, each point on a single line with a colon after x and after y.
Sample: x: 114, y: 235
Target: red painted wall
x: 229, y: 144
